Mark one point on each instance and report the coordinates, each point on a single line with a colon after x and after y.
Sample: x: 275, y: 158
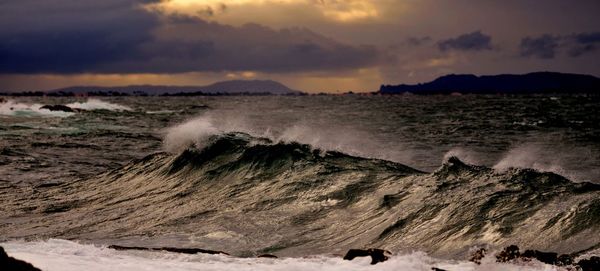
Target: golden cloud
x: 335, y: 10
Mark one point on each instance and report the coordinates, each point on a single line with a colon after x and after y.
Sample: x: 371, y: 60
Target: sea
x: 305, y: 178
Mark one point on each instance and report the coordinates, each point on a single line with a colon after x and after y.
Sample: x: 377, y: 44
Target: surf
x: 250, y: 195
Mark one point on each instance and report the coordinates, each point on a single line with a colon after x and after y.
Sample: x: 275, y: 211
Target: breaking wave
x: 96, y: 104
x: 12, y: 108
x: 250, y: 195
x: 326, y: 137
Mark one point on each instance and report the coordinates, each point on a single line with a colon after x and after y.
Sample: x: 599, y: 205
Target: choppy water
x: 298, y: 176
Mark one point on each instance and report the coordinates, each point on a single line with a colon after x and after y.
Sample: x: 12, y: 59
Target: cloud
x: 544, y: 46
x: 335, y: 10
x: 547, y: 46
x: 474, y: 41
x: 584, y: 43
x: 70, y: 36
x: 418, y: 41
x: 118, y: 36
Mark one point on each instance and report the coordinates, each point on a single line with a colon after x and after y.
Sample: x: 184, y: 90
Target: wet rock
x: 545, y: 257
x: 12, y: 264
x: 509, y: 253
x: 478, y: 255
x: 512, y: 252
x: 591, y: 264
x: 170, y: 249
x: 377, y: 255
x: 267, y: 256
x: 58, y: 107
x: 564, y: 260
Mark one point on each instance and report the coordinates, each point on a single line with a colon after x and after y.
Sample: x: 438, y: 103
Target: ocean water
x: 429, y: 178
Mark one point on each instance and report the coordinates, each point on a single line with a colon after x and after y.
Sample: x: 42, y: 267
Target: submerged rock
x: 377, y: 255
x: 12, y: 264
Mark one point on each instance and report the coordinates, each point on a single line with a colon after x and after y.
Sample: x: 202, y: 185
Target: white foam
x: 192, y: 132
x: 534, y: 157
x: 12, y: 108
x: 55, y: 255
x: 96, y: 104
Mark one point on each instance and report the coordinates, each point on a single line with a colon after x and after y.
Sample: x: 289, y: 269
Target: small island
x: 531, y: 83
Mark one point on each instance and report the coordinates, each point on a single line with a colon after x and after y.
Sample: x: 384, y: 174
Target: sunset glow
x: 341, y: 11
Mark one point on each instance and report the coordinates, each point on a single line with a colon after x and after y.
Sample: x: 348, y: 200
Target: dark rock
x: 478, y: 255
x: 170, y: 249
x: 58, y: 107
x: 591, y: 264
x: 2, y: 100
x: 545, y: 257
x: 377, y: 255
x: 564, y: 260
x: 508, y: 254
x: 437, y: 269
x: 512, y: 252
x: 267, y: 256
x: 12, y: 264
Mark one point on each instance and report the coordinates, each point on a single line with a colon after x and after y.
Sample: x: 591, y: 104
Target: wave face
x: 250, y: 195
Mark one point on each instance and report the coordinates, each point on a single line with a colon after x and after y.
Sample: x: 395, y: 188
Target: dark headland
x: 531, y: 83
x: 233, y: 87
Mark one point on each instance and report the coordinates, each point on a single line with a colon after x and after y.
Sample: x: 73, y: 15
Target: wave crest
x: 97, y: 104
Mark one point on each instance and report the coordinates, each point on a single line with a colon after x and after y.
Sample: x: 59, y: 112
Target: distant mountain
x: 226, y: 87
x: 531, y: 83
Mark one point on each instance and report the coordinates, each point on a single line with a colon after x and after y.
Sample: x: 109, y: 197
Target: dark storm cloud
x: 65, y: 36
x: 549, y: 46
x: 544, y: 46
x: 584, y: 43
x: 216, y: 47
x: 475, y: 41
x: 118, y: 36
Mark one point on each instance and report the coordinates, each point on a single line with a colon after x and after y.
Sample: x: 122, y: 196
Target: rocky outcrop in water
x: 478, y: 255
x: 512, y: 253
x: 59, y: 107
x: 377, y: 255
x: 591, y: 264
x: 12, y: 264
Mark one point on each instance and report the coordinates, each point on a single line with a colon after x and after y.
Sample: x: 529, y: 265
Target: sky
x: 309, y: 45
